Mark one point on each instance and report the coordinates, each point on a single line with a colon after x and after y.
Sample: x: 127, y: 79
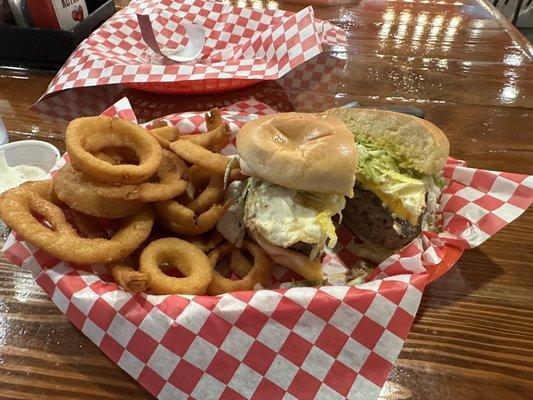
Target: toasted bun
x: 418, y: 144
x: 298, y: 262
x: 311, y: 152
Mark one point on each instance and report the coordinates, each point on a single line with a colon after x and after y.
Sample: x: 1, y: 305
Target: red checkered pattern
x: 73, y: 103
x: 70, y: 104
x: 332, y: 342
x: 319, y: 74
x: 241, y: 43
x: 121, y: 109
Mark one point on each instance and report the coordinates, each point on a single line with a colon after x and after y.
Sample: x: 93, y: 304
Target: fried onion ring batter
x: 88, y: 135
x: 122, y: 272
x: 179, y: 219
x: 212, y: 194
x: 166, y: 183
x: 214, y: 139
x: 196, y: 154
x: 206, y: 244
x: 260, y: 272
x: 81, y: 193
x: 19, y: 208
x: 165, y: 135
x: 184, y: 256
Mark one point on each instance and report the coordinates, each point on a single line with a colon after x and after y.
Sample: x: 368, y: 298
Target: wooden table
x: 471, y: 72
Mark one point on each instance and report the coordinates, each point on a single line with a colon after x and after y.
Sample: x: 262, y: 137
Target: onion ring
x: 188, y: 195
x: 214, y: 138
x: 117, y: 155
x: 169, y: 133
x: 123, y: 274
x: 212, y: 194
x: 260, y: 272
x: 177, y: 218
x: 126, y: 277
x: 81, y: 193
x: 239, y: 264
x: 210, y: 140
x: 159, y: 123
x: 207, y: 244
x: 165, y: 135
x: 18, y: 208
x: 195, y: 154
x: 213, y: 119
x: 114, y: 159
x: 186, y: 257
x: 199, y: 177
x: 89, y: 226
x: 167, y: 183
x: 88, y: 135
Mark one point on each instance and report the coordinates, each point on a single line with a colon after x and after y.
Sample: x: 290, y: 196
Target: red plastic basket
x: 193, y: 87
x: 451, y: 256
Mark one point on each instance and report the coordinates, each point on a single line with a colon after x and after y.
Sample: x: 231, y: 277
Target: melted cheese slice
x: 407, y: 202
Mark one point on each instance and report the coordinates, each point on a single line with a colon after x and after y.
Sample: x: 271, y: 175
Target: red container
x: 43, y: 14
x: 193, y: 87
x: 451, y: 256
x: 57, y: 14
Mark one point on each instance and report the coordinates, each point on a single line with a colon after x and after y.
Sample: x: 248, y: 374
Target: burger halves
x: 398, y: 180
x: 300, y: 166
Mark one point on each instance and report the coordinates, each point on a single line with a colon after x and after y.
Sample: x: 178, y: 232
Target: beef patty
x: 306, y: 248
x: 365, y: 214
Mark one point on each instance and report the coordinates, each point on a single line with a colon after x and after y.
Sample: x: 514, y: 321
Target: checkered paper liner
x: 331, y: 342
x: 242, y: 43
x: 72, y: 103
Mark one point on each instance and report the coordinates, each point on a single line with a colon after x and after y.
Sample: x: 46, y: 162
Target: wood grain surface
x: 459, y: 61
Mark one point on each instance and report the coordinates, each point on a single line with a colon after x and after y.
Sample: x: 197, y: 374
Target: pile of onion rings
x: 125, y: 196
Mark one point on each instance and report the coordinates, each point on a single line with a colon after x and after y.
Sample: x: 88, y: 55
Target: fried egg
x: 285, y: 216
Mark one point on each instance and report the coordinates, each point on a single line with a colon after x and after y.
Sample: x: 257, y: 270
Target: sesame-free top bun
x: 416, y: 143
x: 312, y: 152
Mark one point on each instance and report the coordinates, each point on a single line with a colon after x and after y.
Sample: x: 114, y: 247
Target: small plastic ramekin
x: 3, y: 133
x: 31, y: 152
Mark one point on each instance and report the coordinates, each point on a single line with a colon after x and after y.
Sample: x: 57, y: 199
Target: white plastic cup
x: 31, y: 152
x: 4, y: 138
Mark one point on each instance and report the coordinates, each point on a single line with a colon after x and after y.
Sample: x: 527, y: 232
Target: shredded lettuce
x: 375, y: 164
x: 326, y: 225
x: 439, y: 181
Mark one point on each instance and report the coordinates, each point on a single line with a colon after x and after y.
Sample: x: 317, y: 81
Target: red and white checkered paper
x: 242, y: 43
x: 331, y: 342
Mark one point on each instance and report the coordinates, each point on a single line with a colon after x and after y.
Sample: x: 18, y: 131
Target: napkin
x: 331, y: 342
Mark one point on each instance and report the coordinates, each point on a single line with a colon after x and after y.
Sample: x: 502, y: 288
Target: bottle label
x: 69, y: 12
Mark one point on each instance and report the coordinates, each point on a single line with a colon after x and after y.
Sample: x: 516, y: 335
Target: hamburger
x: 398, y: 179
x: 300, y: 167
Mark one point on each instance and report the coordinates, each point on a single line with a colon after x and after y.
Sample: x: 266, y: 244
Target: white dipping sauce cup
x: 3, y: 133
x: 31, y: 152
